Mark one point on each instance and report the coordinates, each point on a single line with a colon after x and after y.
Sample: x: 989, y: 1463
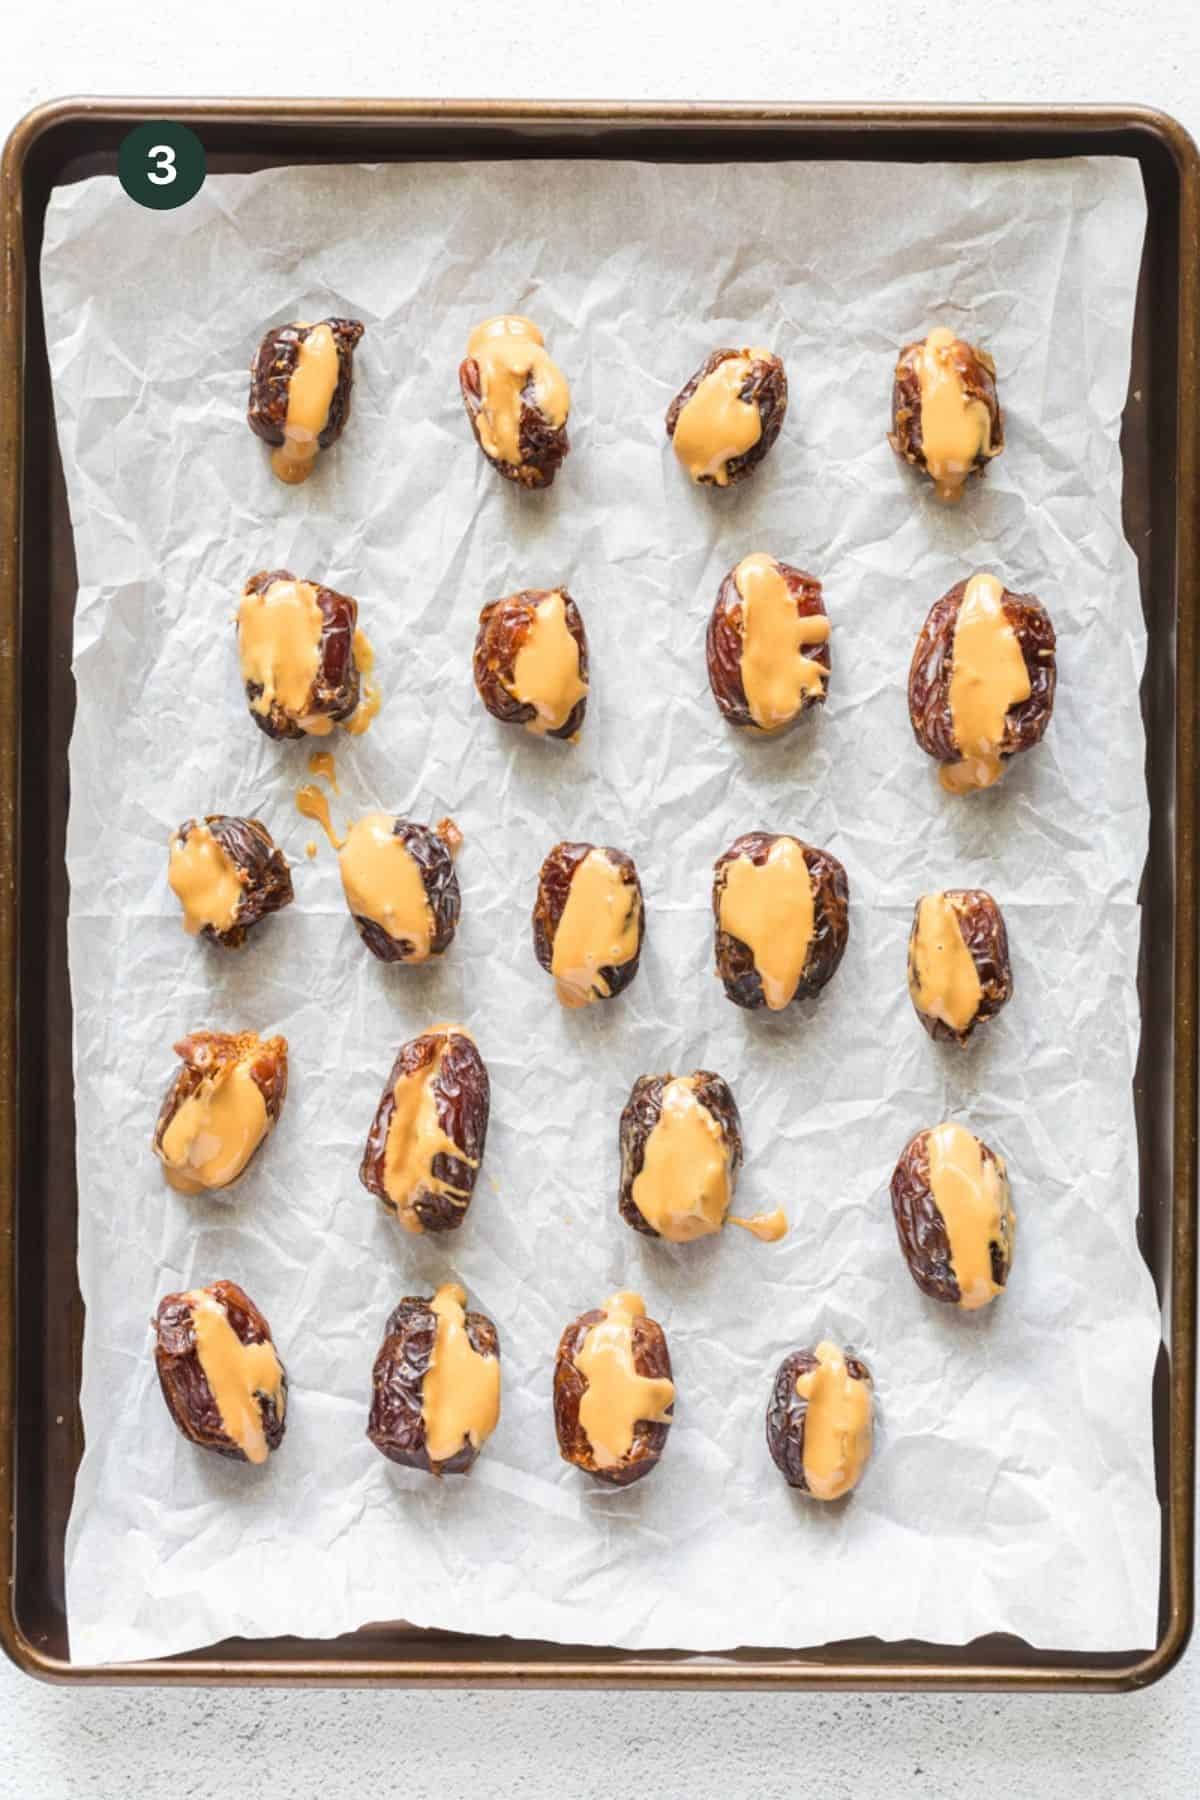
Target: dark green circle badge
x: 161, y: 164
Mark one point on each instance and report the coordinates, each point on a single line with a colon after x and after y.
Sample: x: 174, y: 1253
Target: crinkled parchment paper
x: 1012, y: 1487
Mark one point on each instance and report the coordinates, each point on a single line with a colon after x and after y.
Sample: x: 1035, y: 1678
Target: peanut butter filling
x: 971, y: 1193
x: 205, y: 880
x: 384, y: 884
x: 321, y: 763
x: 987, y: 676
x: 769, y: 907
x: 216, y: 1130
x: 370, y: 698
x: 510, y: 353
x: 683, y: 1189
x: 716, y: 424
x: 942, y: 978
x: 415, y: 1140
x: 955, y: 429
x: 460, y: 1396
x: 768, y: 1227
x: 236, y: 1374
x: 313, y: 803
x: 837, y: 1425
x: 617, y: 1398
x: 776, y: 674
x: 598, y: 930
x: 279, y: 646
x: 546, y: 668
x: 310, y: 395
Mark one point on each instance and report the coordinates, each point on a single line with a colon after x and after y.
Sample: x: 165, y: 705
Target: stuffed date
x: 427, y: 1138
x: 954, y: 1216
x: 782, y: 919
x: 227, y: 875
x: 531, y: 662
x: 435, y: 1387
x: 588, y: 922
x: 300, y: 382
x: 302, y: 657
x: 613, y: 1393
x: 768, y: 645
x: 819, y: 1420
x: 959, y: 973
x: 946, y: 418
x: 517, y: 400
x: 724, y: 420
x: 219, y: 1371
x: 400, y: 886
x: 223, y: 1103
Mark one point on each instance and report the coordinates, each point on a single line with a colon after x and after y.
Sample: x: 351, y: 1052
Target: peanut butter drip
x: 216, y: 1130
x: 313, y: 803
x: 776, y: 674
x: 837, y: 1425
x: 321, y: 763
x: 310, y: 395
x: 716, y: 424
x: 769, y: 907
x: 370, y: 699
x: 546, y: 668
x: 955, y: 429
x: 510, y: 353
x: 279, y: 644
x: 237, y: 1374
x: 617, y: 1397
x: 987, y: 676
x: 460, y: 1396
x: 971, y: 1193
x: 384, y: 885
x: 415, y: 1140
x: 598, y: 930
x: 204, y: 879
x: 683, y: 1189
x: 942, y: 978
x: 767, y: 1227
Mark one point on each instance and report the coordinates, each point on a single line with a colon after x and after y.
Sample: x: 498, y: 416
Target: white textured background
x: 151, y: 1745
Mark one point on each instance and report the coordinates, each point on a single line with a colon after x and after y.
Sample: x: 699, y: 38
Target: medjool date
x: 959, y: 973
x: 531, y: 662
x: 588, y: 922
x: 782, y: 919
x: 954, y: 1216
x: 427, y: 1138
x: 768, y: 645
x: 227, y: 875
x: 946, y: 418
x: 300, y: 382
x: 517, y: 400
x: 399, y: 881
x: 981, y: 686
x: 723, y: 422
x: 613, y: 1393
x: 220, y: 1108
x: 220, y: 1375
x: 820, y: 1420
x: 435, y: 1388
x: 681, y: 1150
x: 300, y: 650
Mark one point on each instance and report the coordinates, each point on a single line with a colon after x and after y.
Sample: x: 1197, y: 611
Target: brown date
x: 427, y: 1138
x: 221, y: 1106
x: 779, y: 967
x: 435, y: 1387
x: 221, y: 1378
x: 755, y: 687
x: 959, y: 971
x: 959, y: 439
x: 725, y: 419
x: 276, y: 362
x: 517, y: 400
x: 692, y: 1195
x: 820, y: 1420
x: 399, y: 920
x: 227, y: 874
x: 954, y: 1216
x: 588, y: 922
x: 332, y: 696
x: 549, y: 699
x: 618, y: 1434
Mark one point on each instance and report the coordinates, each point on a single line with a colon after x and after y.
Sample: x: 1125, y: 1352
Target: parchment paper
x: 1012, y: 1486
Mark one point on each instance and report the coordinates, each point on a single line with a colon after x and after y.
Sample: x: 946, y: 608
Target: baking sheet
x: 1013, y: 1485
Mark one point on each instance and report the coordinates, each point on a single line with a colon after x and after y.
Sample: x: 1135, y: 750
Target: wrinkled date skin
x: 335, y: 688
x: 651, y: 1359
x: 184, y: 1384
x: 543, y: 446
x: 203, y: 1053
x: 433, y: 853
x: 396, y: 1425
x: 922, y: 1229
x: 463, y: 1096
x: 831, y: 922
x: 726, y: 637
x: 554, y: 884
x: 503, y: 627
x: 983, y: 931
x: 271, y: 375
x: 766, y: 385
x: 977, y: 372
x: 933, y: 665
x: 262, y: 866
x: 642, y: 1112
x: 786, y: 1412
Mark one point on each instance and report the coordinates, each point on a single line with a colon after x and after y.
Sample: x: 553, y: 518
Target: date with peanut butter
x: 427, y: 1138
x: 946, y: 418
x: 219, y: 1371
x: 531, y: 662
x: 782, y: 919
x: 954, y: 1216
x: 400, y: 885
x: 981, y: 686
x: 959, y: 972
x: 300, y: 384
x: 726, y: 418
x: 223, y: 1103
x: 681, y: 1151
x: 435, y: 1388
x: 303, y: 659
x: 768, y: 645
x: 227, y: 875
x: 613, y: 1393
x: 820, y: 1420
x: 588, y: 922
x: 517, y: 400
